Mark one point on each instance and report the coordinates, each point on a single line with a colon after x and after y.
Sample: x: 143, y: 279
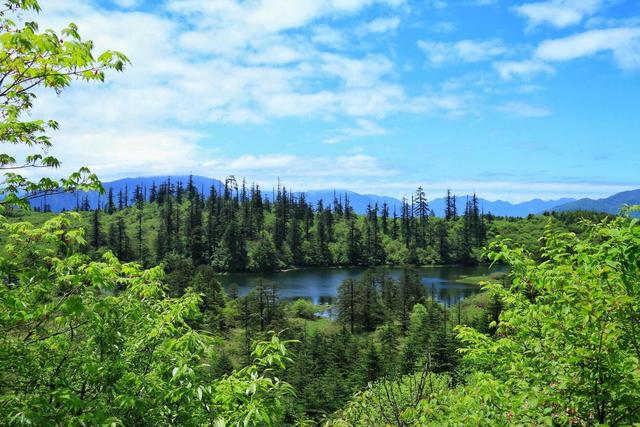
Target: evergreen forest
x: 116, y: 315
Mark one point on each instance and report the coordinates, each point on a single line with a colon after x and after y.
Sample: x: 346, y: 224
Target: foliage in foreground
x: 566, y: 350
x: 30, y: 60
x: 101, y: 343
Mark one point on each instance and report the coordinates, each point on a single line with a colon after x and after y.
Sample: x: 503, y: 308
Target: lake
x: 320, y: 285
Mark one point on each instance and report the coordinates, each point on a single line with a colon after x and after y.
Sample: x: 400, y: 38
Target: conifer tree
x: 394, y: 233
x: 96, y: 233
x: 153, y: 194
x: 373, y: 239
x: 411, y: 292
x: 450, y: 213
x: 385, y: 218
x: 111, y: 207
x: 347, y: 303
x: 421, y: 212
x: 443, y: 242
x: 372, y: 365
x: 85, y: 207
x: 369, y: 312
x: 294, y: 240
x: 418, y: 344
x: 390, y: 345
x: 354, y: 247
x: 323, y: 231
x: 121, y: 200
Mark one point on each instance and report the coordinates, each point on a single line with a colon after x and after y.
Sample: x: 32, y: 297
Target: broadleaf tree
x: 32, y: 60
x: 97, y: 342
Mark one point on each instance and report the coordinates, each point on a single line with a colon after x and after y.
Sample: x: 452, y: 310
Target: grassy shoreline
x: 478, y: 280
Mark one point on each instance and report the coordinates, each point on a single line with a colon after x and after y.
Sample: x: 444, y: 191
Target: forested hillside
x: 392, y: 355
x: 611, y: 204
x: 126, y: 189
x: 562, y: 350
x: 234, y: 227
x: 113, y: 316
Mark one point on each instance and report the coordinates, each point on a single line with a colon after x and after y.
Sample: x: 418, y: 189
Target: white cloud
x: 525, y: 68
x: 438, y: 4
x: 113, y: 154
x: 294, y: 170
x: 325, y: 35
x: 624, y: 43
x: 512, y: 191
x: 234, y: 64
x: 524, y: 110
x: 444, y: 27
x: 607, y: 22
x: 148, y: 152
x: 202, y: 63
x: 558, y: 13
x: 481, y: 2
x: 439, y: 53
x: 128, y: 3
x: 276, y: 55
x: 382, y: 25
x: 363, y: 128
x: 237, y: 24
x: 363, y: 72
x: 252, y: 163
x: 447, y: 104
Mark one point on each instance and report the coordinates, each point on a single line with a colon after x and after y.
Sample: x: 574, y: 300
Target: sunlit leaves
x: 566, y: 350
x: 30, y: 59
x: 566, y: 340
x: 86, y: 342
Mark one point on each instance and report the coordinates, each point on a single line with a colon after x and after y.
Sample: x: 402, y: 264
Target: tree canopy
x: 565, y: 351
x: 31, y: 60
x: 95, y: 342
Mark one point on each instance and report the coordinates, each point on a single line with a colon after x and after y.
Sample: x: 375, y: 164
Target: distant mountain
x: 359, y: 202
x: 69, y: 201
x: 609, y: 205
x: 501, y: 208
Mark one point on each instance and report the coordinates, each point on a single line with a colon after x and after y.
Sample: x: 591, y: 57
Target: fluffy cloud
x: 525, y: 68
x: 514, y: 191
x: 114, y: 153
x: 237, y: 24
x: 147, y: 152
x: 481, y: 2
x: 444, y: 27
x: 437, y: 4
x: 221, y: 66
x: 199, y: 63
x: 252, y: 163
x: 439, y: 53
x: 235, y: 62
x: 294, y: 170
x: 128, y: 3
x: 324, y: 35
x: 558, y: 13
x: 364, y: 128
x: 624, y: 43
x: 382, y: 25
x: 524, y: 110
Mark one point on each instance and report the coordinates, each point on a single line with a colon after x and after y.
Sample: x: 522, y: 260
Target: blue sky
x: 511, y: 99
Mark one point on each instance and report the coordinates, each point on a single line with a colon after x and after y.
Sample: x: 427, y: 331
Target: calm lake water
x: 320, y: 285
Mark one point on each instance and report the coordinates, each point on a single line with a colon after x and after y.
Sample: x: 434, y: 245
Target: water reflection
x: 320, y: 285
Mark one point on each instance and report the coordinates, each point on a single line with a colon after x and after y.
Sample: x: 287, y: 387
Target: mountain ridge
x: 610, y: 205
x: 358, y: 201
